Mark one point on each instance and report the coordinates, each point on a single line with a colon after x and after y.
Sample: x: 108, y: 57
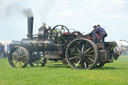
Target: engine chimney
x: 30, y: 27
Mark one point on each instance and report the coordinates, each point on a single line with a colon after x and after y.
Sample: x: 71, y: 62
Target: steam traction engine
x: 58, y: 43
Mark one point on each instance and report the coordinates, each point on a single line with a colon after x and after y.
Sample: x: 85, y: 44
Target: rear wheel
x: 81, y: 54
x: 19, y: 57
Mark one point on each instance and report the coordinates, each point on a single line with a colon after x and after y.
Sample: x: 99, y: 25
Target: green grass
x: 57, y: 74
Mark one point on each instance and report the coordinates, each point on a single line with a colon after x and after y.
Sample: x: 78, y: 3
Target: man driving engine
x: 99, y: 31
x: 102, y: 34
x: 93, y: 34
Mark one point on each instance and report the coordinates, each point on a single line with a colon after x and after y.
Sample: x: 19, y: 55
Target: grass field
x: 57, y: 74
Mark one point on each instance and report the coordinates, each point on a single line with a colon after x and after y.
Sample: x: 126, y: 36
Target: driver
x: 102, y: 34
x: 98, y: 34
x: 93, y: 34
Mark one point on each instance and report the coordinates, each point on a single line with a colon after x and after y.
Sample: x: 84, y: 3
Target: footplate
x: 104, y: 56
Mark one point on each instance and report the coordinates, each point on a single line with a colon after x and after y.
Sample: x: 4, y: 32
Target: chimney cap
x: 44, y: 24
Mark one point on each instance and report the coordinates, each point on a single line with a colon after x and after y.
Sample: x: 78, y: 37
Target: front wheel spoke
x: 37, y: 63
x: 14, y: 54
x: 15, y: 62
x: 19, y: 52
x: 14, y: 57
x: 20, y: 64
x: 40, y: 61
x: 23, y: 55
x: 23, y: 59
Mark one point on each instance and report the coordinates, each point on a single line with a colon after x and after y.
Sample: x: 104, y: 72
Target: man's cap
x: 98, y: 25
x: 94, y: 26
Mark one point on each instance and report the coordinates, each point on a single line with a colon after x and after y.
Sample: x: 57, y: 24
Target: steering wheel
x: 58, y: 32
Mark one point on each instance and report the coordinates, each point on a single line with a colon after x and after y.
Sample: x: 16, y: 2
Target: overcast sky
x: 75, y: 14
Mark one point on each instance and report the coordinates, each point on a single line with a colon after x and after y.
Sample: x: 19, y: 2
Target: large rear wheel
x: 81, y: 54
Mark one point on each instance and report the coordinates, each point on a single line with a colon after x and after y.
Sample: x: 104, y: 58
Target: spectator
x: 2, y: 52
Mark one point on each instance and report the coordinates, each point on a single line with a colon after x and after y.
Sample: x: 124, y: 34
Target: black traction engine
x: 58, y: 43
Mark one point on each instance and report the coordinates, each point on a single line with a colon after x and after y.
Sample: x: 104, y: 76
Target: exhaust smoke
x: 17, y: 10
x: 28, y: 12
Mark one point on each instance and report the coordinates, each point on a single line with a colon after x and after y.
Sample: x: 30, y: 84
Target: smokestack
x: 30, y: 27
x: 28, y: 13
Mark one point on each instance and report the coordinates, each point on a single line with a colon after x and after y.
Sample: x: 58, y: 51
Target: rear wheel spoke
x: 73, y: 57
x: 90, y: 59
x: 92, y: 51
x: 82, y: 48
x: 78, y: 50
x: 89, y: 55
x: 78, y: 63
x: 87, y: 50
x: 85, y: 64
x: 73, y: 50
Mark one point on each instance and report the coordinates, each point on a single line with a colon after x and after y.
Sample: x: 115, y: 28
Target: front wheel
x: 38, y: 63
x: 18, y: 57
x: 37, y: 60
x: 81, y: 54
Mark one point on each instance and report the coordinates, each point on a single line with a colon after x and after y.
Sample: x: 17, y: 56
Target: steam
x: 28, y: 12
x: 28, y: 8
x: 14, y: 12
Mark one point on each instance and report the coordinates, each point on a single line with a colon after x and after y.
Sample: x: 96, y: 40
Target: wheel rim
x: 81, y: 54
x: 18, y: 57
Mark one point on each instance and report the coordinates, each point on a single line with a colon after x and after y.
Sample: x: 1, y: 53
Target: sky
x: 80, y: 15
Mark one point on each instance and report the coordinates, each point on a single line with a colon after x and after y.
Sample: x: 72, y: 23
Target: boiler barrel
x: 38, y: 45
x: 27, y: 43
